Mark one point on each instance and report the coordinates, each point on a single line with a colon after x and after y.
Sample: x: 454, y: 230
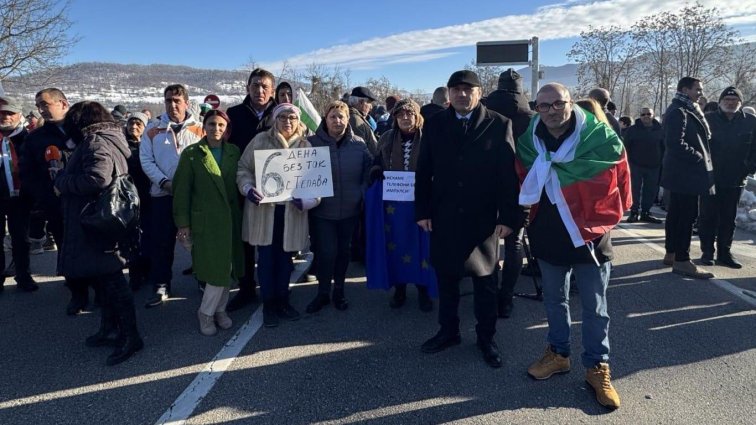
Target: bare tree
x: 33, y: 36
x: 488, y: 75
x: 604, y: 56
x: 381, y: 88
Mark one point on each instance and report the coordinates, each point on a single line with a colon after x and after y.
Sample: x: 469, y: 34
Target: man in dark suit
x: 249, y: 118
x: 466, y: 196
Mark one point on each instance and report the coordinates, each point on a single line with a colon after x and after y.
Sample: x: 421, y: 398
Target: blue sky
x: 415, y: 43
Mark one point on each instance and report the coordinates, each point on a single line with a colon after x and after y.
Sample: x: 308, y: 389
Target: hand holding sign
x: 283, y: 174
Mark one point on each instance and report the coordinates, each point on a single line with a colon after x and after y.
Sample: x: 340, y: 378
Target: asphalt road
x: 683, y: 351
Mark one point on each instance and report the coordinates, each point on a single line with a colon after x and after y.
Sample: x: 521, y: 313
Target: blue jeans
x: 592, y: 281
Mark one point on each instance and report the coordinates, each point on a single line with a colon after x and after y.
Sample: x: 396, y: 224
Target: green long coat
x: 206, y: 201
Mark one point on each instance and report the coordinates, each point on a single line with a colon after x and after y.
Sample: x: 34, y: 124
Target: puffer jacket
x: 350, y: 166
x: 89, y: 171
x: 160, y: 149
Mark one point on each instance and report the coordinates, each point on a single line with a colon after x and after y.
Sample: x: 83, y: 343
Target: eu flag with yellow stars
x: 398, y: 250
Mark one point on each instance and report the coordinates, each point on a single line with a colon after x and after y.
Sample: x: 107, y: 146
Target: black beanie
x: 510, y: 80
x: 731, y: 91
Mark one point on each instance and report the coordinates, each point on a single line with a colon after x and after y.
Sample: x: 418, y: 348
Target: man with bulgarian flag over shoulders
x: 575, y: 178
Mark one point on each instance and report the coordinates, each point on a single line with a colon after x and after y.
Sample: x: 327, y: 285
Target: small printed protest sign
x: 398, y: 186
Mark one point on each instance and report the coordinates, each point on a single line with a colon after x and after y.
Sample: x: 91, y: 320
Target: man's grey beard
x: 729, y: 111
x: 6, y: 128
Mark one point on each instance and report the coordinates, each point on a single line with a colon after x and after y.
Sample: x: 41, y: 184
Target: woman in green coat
x: 208, y: 216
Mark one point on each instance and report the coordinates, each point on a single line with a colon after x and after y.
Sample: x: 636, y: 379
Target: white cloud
x: 561, y: 20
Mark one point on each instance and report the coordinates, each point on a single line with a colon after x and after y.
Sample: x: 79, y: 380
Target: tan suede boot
x: 222, y: 319
x: 207, y: 324
x: 686, y: 268
x: 548, y: 365
x: 599, y: 378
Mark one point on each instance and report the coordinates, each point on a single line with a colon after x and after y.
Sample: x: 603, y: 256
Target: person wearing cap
x: 360, y: 103
x: 204, y: 108
x: 276, y: 229
x: 466, y: 192
x: 14, y: 208
x: 733, y: 155
x: 509, y: 100
x: 34, y: 120
x: 251, y: 117
x: 208, y: 217
x: 139, y: 266
x: 687, y: 173
x: 120, y: 113
x: 399, y: 149
x: 159, y: 153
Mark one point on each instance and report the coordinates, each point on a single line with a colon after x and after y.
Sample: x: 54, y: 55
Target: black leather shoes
x: 440, y: 342
x: 505, y: 309
x: 339, y: 302
x: 490, y: 353
x: 122, y: 353
x: 27, y: 285
x: 707, y: 259
x: 729, y: 261
x: 318, y: 303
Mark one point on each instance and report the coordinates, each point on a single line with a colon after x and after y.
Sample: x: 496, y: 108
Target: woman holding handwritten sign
x: 276, y: 228
x: 335, y: 219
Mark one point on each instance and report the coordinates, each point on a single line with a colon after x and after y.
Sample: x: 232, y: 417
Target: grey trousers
x: 214, y: 299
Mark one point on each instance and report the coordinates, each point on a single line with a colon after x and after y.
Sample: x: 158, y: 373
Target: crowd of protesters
x: 561, y: 171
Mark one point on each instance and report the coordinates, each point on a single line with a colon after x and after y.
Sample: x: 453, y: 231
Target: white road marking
x: 184, y: 406
x: 743, y: 294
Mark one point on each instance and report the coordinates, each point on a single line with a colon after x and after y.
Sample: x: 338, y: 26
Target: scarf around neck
x: 695, y: 109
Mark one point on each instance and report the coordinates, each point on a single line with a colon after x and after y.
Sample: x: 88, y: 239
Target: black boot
x: 286, y: 312
x: 725, y: 258
x: 339, y: 301
x: 119, y: 296
x: 400, y: 296
x: 109, y: 334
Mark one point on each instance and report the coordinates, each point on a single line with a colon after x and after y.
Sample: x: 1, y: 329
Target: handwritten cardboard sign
x: 302, y: 173
x: 398, y: 186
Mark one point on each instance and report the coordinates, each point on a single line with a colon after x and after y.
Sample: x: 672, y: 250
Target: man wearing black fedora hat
x: 466, y: 196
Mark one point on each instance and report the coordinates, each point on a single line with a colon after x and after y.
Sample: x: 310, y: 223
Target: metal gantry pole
x: 534, y: 69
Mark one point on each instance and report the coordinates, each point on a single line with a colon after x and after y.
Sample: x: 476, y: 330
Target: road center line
x: 184, y: 406
x: 743, y: 294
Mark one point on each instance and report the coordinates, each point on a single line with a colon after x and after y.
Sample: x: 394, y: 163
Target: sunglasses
x: 646, y: 115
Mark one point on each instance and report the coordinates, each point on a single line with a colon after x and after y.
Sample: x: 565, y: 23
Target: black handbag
x: 115, y: 212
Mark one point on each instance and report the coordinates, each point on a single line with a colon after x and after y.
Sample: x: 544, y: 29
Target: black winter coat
x: 350, y: 167
x: 466, y: 184
x: 244, y: 122
x: 686, y: 166
x: 644, y: 145
x: 733, y: 147
x: 141, y: 181
x: 35, y: 174
x: 88, y: 172
x: 429, y: 110
x: 514, y: 106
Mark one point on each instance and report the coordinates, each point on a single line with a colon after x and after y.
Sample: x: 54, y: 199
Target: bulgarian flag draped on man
x: 587, y: 178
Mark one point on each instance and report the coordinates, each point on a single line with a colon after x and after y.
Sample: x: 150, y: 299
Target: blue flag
x: 398, y: 250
